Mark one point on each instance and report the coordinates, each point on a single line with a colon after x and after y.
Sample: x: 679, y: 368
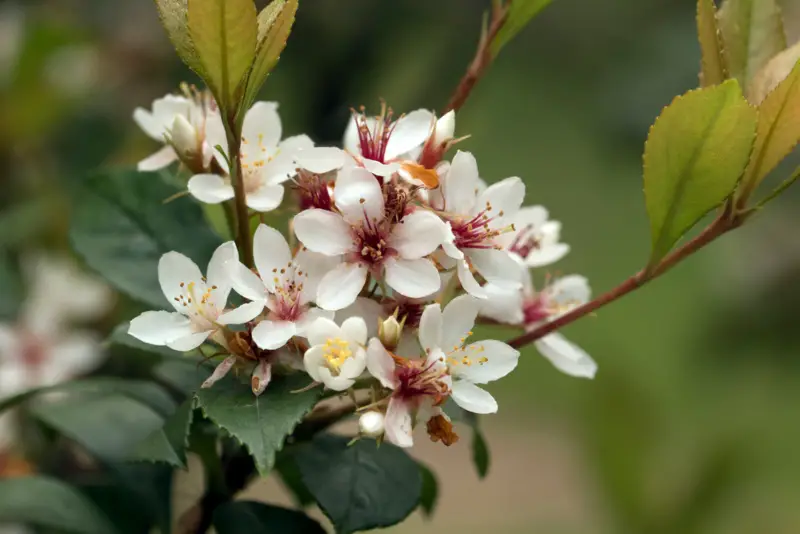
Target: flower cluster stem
x: 242, y: 232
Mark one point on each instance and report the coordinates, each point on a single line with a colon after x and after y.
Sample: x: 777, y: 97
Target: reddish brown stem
x: 483, y: 58
x: 722, y: 225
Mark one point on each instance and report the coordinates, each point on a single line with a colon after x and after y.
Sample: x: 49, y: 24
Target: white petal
x: 175, y: 273
x: 445, y: 128
x: 397, y: 423
x: 323, y: 231
x: 75, y: 354
x: 459, y: 184
x: 368, y: 309
x: 303, y: 324
x: 320, y: 160
x: 149, y: 125
x: 566, y: 356
x: 265, y: 198
x: 468, y: 281
x: 271, y: 253
x: 418, y: 234
x: 351, y: 141
x: 570, y: 291
x: 410, y: 132
x: 496, y: 266
x: 358, y: 195
x: 355, y: 329
x: 321, y: 331
x: 314, y: 266
x: 313, y: 361
x: 262, y: 125
x: 500, y: 361
x: 189, y: 342
x: 218, y: 273
x: 546, y: 255
x: 458, y: 319
x: 527, y: 219
x: 412, y: 278
x: 159, y: 160
x: 503, y: 305
x: 272, y: 335
x: 280, y: 169
x: 430, y: 327
x: 160, y: 327
x: 380, y: 169
x: 380, y: 364
x: 261, y: 377
x: 296, y: 143
x: 506, y: 196
x: 340, y: 287
x: 243, y: 314
x: 335, y: 383
x: 210, y: 188
x: 247, y: 283
x: 220, y: 371
x: 355, y: 365
x: 472, y: 398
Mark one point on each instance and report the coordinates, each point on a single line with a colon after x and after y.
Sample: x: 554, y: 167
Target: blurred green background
x: 691, y: 425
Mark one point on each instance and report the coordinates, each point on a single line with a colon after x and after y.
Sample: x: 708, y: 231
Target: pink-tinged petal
x: 358, y: 196
x: 506, y: 197
x: 351, y: 141
x: 159, y: 160
x: 262, y: 125
x: 210, y: 188
x: 380, y: 364
x: 320, y: 160
x: 410, y: 132
x: 496, y: 266
x: 261, y: 377
x: 490, y: 360
x: 458, y: 319
x: 418, y: 234
x: 566, y: 356
x: 190, y: 342
x: 355, y: 330
x: 219, y: 373
x: 340, y: 287
x: 75, y: 354
x: 175, y: 273
x: 321, y: 331
x: 398, y: 424
x: 247, y: 283
x: 430, y: 328
x: 472, y: 398
x: 314, y: 361
x: 448, y: 244
x: 323, y: 231
x: 460, y: 183
x: 380, y: 169
x: 265, y: 198
x: 527, y: 219
x: 271, y: 253
x: 160, y: 327
x: 412, y: 278
x: 468, y: 281
x: 243, y: 314
x: 272, y: 335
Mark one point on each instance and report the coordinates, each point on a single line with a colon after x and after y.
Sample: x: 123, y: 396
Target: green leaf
x: 778, y: 131
x: 360, y: 486
x: 122, y: 227
x: 168, y: 444
x: 713, y: 69
x: 260, y: 423
x: 773, y: 73
x: 247, y: 517
x: 752, y: 33
x: 520, y: 13
x: 430, y: 491
x: 185, y: 375
x: 289, y: 473
x: 224, y: 34
x: 49, y: 503
x: 274, y: 26
x: 480, y: 453
x: 174, y: 18
x: 10, y: 288
x: 694, y: 156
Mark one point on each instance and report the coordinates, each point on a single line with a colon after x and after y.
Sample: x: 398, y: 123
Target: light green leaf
x: 274, y: 26
x: 752, y: 33
x: 260, y: 423
x: 168, y: 444
x: 49, y: 503
x: 361, y: 486
x: 520, y: 13
x: 247, y: 517
x: 430, y: 491
x: 121, y: 227
x: 174, y: 18
x: 224, y: 35
x: 713, y: 68
x: 694, y: 156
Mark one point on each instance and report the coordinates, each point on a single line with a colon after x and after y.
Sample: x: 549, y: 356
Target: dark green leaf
x: 246, y: 517
x: 360, y: 486
x: 10, y: 288
x: 480, y: 453
x: 122, y: 227
x: 430, y: 491
x: 168, y: 443
x: 521, y: 12
x: 260, y: 423
x: 290, y: 475
x: 184, y: 375
x: 49, y: 503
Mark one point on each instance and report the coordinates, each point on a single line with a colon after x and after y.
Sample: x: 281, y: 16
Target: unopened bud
x: 370, y: 424
x: 445, y: 129
x: 183, y: 136
x: 389, y: 332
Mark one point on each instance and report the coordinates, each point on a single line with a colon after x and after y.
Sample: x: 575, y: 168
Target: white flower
x: 285, y: 285
x: 267, y: 162
x: 186, y: 125
x: 370, y: 243
x: 370, y: 424
x: 443, y: 335
x: 535, y: 239
x: 336, y: 357
x: 476, y: 222
x: 199, y: 302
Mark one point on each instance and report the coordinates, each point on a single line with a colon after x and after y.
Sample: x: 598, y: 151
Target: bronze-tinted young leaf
x: 173, y: 14
x: 694, y: 156
x: 773, y: 73
x: 752, y: 33
x: 224, y: 35
x: 521, y: 12
x: 713, y: 70
x: 274, y: 26
x: 778, y: 130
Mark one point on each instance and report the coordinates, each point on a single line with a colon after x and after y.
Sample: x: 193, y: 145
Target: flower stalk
x: 233, y: 131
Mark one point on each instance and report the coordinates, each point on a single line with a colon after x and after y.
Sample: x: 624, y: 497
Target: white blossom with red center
x: 286, y: 285
x: 477, y: 220
x: 535, y: 238
x: 368, y: 242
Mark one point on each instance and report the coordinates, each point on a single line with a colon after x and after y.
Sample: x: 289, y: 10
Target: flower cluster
x: 393, y: 256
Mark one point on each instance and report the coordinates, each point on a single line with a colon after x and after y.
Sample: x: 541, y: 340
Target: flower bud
x: 389, y: 332
x: 445, y: 129
x: 370, y: 424
x: 183, y: 136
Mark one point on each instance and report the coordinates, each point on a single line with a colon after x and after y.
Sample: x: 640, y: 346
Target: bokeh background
x: 691, y: 425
